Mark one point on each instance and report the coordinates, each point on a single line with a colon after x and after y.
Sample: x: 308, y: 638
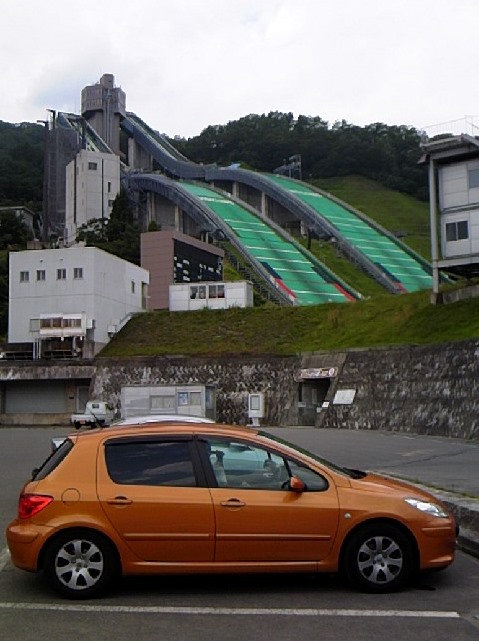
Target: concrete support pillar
x: 264, y: 204
x: 434, y: 229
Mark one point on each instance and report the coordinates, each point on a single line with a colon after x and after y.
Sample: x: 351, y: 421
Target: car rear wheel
x: 80, y: 564
x: 379, y: 558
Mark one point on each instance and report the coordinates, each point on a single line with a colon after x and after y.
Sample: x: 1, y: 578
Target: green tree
x: 21, y: 164
x: 3, y: 293
x: 13, y: 231
x: 122, y: 232
x: 92, y: 232
x: 119, y: 234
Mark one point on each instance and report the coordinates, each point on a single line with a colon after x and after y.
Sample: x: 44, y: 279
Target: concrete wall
x: 30, y: 378
x: 425, y: 390
x: 418, y: 389
x: 233, y: 378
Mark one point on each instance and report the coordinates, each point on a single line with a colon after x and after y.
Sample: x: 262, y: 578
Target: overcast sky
x: 187, y: 64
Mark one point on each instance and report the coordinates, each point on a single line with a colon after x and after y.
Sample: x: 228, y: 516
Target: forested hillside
x: 386, y: 154
x: 21, y: 165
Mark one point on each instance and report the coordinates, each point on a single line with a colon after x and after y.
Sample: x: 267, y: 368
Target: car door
x: 258, y: 519
x: 152, y: 492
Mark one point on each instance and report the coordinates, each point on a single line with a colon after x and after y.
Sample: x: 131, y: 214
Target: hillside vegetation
x: 352, y: 163
x: 401, y: 214
x: 382, y: 321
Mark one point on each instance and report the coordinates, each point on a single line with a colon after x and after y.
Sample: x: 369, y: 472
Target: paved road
x: 449, y: 464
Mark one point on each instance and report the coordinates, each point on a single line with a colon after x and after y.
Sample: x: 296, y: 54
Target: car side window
x: 238, y: 464
x: 150, y: 463
x: 244, y: 465
x: 314, y: 482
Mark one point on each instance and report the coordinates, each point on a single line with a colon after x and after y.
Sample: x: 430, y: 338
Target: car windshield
x: 337, y: 468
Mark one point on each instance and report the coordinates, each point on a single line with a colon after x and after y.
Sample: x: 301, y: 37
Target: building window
x: 72, y: 322
x: 109, y: 187
x: 197, y: 291
x: 40, y: 274
x: 473, y: 177
x: 216, y: 291
x: 93, y: 166
x: 457, y: 231
x: 61, y: 274
x: 24, y: 277
x: 57, y: 322
x: 77, y: 273
x: 132, y: 286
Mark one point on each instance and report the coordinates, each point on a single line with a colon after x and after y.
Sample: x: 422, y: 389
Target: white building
x: 71, y: 301
x: 92, y: 184
x: 454, y: 186
x: 459, y: 205
x: 214, y: 295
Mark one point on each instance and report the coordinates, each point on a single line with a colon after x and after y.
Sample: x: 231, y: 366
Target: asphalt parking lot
x: 443, y: 605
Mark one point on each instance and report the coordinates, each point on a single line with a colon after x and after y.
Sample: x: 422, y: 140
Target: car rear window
x: 50, y: 463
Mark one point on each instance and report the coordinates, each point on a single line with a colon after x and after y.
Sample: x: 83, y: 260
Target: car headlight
x: 427, y: 506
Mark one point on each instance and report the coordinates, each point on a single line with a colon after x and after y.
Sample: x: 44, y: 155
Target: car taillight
x: 31, y: 504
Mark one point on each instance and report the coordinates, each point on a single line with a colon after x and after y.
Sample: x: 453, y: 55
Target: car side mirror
x: 296, y: 484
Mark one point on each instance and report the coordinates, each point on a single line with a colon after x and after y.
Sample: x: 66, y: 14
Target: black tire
x: 379, y: 558
x: 80, y: 564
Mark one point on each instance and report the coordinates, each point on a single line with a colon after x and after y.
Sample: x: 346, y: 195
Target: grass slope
x: 382, y: 321
x: 393, y: 210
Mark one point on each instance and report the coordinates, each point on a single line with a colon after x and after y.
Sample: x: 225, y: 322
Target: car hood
x: 377, y: 483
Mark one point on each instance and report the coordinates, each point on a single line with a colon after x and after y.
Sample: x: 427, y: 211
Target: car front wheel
x: 80, y: 565
x: 379, y: 558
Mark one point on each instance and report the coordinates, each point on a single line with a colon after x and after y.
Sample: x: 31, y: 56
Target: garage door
x: 36, y: 397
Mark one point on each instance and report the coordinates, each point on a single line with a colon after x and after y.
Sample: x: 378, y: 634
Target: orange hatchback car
x: 202, y: 498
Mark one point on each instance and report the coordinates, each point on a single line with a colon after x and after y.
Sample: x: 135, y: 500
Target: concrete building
x: 216, y: 295
x: 173, y: 257
x: 454, y: 204
x: 69, y: 302
x: 92, y: 184
x: 103, y: 105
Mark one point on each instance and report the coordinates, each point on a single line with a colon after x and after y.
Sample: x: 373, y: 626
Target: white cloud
x: 186, y: 64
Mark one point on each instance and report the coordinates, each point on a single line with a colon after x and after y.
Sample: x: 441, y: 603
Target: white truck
x: 97, y: 413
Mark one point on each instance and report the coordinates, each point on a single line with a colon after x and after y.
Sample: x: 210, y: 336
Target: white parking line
x: 304, y: 612
x: 421, y: 614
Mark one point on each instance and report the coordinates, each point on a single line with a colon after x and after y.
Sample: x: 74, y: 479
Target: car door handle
x: 119, y: 500
x: 232, y: 503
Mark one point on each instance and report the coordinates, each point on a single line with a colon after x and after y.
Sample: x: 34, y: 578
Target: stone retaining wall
x: 233, y: 377
x: 431, y: 389
x: 421, y: 389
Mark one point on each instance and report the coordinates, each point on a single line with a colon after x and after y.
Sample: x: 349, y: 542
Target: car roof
x: 161, y: 418
x: 169, y: 427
